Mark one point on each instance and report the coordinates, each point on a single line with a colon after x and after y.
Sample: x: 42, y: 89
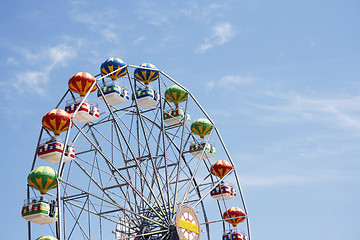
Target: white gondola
x: 147, y: 97
x: 196, y: 150
x: 223, y: 192
x: 176, y: 116
x: 233, y: 235
x: 88, y: 111
x: 39, y: 211
x: 50, y: 150
x: 114, y: 93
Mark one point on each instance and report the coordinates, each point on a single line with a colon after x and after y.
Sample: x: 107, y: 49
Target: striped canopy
x: 201, y: 127
x: 146, y: 75
x: 43, y: 179
x: 81, y: 82
x: 111, y: 65
x: 56, y: 120
x: 234, y: 215
x: 221, y: 168
x: 176, y: 94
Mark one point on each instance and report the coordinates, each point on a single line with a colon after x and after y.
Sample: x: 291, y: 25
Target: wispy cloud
x: 231, y: 81
x: 273, y: 107
x: 293, y: 179
x: 293, y: 106
x: 139, y: 40
x: 203, y: 12
x: 109, y: 34
x: 79, y: 2
x: 221, y: 34
x: 153, y: 17
x: 34, y: 80
x: 108, y: 30
x: 214, y: 7
x: 151, y: 14
x: 12, y: 61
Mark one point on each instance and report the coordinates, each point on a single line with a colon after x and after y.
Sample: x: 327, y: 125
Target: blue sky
x: 280, y: 79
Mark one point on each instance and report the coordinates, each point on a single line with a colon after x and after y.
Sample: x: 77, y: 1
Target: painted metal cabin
x: 146, y: 97
x: 196, y: 150
x: 39, y: 211
x: 114, y: 93
x: 176, y: 116
x: 50, y: 150
x: 234, y: 235
x: 88, y: 111
x: 223, y: 192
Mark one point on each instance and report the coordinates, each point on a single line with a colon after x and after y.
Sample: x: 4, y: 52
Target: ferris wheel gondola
x: 113, y: 68
x: 139, y: 171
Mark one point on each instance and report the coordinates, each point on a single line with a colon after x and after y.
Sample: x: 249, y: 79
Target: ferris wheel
x: 128, y: 162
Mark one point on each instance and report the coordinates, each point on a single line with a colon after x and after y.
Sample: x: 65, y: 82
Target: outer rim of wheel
x: 161, y: 128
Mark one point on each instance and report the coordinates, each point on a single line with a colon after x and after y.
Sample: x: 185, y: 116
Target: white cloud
x: 31, y: 81
x: 210, y: 85
x: 154, y: 18
x: 149, y: 13
x: 60, y: 54
x: 221, y: 34
x: 12, y: 61
x: 203, y: 13
x: 289, y: 107
x: 79, y: 2
x: 202, y: 48
x: 216, y: 6
x: 165, y: 40
x: 235, y: 80
x: 95, y: 22
x: 84, y: 17
x: 139, y: 40
x: 34, y: 80
x: 231, y: 81
x: 292, y: 179
x: 346, y: 120
x: 109, y: 35
x: 276, y: 180
x: 28, y: 55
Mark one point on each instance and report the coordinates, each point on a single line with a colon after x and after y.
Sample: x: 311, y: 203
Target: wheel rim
x: 134, y: 171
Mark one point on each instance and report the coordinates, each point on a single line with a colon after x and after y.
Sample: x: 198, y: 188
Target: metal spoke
x: 133, y: 168
x: 121, y: 175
